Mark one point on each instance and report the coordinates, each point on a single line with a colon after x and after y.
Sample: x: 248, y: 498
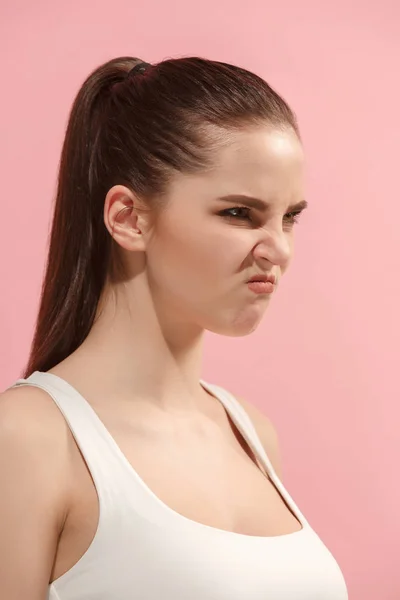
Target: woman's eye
x: 241, y: 213
x: 293, y: 217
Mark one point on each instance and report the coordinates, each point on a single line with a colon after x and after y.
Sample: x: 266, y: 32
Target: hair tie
x: 139, y: 68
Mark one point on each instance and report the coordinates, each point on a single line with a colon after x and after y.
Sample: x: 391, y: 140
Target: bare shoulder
x: 33, y: 431
x: 266, y: 432
x: 28, y: 414
x: 34, y: 479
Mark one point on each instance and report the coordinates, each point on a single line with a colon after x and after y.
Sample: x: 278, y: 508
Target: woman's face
x: 203, y: 249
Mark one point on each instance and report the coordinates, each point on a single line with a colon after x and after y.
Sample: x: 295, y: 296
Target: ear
x: 124, y: 219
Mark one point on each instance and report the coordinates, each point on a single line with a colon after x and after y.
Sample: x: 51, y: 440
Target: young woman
x: 124, y: 475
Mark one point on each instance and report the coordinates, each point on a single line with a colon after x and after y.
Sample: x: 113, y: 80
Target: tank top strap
x: 242, y: 421
x: 91, y: 436
x: 246, y: 427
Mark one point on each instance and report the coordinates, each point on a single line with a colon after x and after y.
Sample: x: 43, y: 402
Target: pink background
x: 324, y: 363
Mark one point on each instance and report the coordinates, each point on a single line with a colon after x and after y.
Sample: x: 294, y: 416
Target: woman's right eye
x: 240, y: 213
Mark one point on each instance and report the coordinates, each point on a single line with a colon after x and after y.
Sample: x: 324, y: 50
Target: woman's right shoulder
x: 34, y: 434
x: 35, y: 479
x: 28, y: 414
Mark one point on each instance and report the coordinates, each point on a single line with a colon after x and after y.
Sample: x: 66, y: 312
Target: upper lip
x: 270, y: 278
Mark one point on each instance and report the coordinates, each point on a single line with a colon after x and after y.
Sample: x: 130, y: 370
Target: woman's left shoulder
x: 266, y: 432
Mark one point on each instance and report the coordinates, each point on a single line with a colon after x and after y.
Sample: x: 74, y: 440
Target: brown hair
x: 133, y: 131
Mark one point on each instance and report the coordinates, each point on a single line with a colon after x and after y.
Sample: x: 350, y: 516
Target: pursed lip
x: 270, y: 278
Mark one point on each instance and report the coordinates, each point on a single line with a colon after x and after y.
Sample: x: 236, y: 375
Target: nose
x: 274, y: 246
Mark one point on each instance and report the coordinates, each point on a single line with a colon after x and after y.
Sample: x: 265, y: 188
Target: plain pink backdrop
x: 324, y: 365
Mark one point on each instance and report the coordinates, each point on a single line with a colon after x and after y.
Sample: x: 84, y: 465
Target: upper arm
x: 267, y: 434
x: 33, y: 492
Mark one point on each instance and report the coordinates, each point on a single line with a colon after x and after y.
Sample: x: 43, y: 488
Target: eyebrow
x: 259, y: 204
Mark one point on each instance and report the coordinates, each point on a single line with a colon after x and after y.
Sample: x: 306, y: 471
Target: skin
x: 186, y: 271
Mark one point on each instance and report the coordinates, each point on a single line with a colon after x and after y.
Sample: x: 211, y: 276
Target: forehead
x: 263, y: 162
x: 260, y: 151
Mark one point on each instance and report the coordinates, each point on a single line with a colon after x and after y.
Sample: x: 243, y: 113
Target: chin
x: 242, y: 324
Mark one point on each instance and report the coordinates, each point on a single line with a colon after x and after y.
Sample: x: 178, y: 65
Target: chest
x: 183, y: 560
x: 208, y: 475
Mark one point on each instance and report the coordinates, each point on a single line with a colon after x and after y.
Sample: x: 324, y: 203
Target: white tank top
x: 144, y: 550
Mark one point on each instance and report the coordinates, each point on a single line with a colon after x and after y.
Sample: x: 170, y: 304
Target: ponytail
x: 79, y: 248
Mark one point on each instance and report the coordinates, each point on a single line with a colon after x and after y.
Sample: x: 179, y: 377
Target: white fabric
x: 144, y: 550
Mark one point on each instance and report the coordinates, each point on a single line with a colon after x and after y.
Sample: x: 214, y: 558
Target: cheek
x: 214, y: 256
x: 177, y: 255
x: 188, y: 254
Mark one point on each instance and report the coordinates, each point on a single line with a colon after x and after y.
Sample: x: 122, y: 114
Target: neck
x: 141, y: 347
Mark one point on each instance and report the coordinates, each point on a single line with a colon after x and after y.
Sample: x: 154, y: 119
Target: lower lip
x: 261, y: 287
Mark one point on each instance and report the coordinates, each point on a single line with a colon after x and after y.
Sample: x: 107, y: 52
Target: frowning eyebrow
x: 258, y: 204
